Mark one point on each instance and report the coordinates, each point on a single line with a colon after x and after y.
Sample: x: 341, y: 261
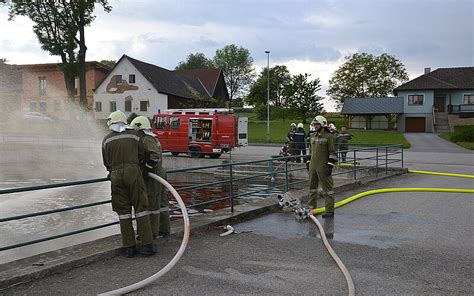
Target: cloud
x: 326, y: 21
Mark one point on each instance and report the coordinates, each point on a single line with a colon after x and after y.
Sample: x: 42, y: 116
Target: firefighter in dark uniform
x: 152, y: 162
x: 299, y: 141
x: 120, y: 151
x: 289, y: 138
x: 323, y: 159
x: 344, y: 138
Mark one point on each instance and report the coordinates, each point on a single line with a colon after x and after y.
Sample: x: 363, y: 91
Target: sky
x: 307, y: 36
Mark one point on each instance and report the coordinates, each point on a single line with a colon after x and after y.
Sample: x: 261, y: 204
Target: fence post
x: 286, y: 174
x: 354, y: 169
x: 386, y: 160
x: 402, y: 156
x: 377, y: 162
x: 231, y: 188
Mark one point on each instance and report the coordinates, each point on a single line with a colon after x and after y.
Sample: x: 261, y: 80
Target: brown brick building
x: 41, y: 88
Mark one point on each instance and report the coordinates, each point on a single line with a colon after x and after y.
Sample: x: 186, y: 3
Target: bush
x: 463, y: 134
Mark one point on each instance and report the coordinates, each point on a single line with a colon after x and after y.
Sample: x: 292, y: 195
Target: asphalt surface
x: 394, y: 243
x: 430, y: 142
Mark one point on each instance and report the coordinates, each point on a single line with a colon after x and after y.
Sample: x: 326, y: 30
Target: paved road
x: 403, y: 243
x: 429, y: 142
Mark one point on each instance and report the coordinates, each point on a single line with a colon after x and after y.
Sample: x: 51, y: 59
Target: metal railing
x: 281, y: 173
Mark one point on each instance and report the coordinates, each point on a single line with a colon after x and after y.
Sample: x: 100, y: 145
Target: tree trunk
x: 82, y: 62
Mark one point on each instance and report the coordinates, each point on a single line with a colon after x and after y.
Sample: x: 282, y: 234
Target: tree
x: 109, y: 63
x: 300, y: 96
x: 279, y: 78
x: 195, y: 61
x: 237, y: 65
x: 364, y: 75
x: 59, y: 27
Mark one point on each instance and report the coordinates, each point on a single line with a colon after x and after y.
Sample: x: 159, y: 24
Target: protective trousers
x: 317, y: 177
x: 164, y: 224
x: 128, y: 190
x: 154, y: 192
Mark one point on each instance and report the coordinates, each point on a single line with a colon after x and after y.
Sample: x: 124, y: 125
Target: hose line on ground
x: 350, y: 282
x: 370, y: 192
x: 178, y: 255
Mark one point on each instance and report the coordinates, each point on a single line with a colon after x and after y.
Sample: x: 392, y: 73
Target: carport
x: 372, y: 113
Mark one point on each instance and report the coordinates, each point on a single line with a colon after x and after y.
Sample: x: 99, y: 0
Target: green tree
x: 300, y: 96
x: 237, y: 64
x: 59, y: 27
x: 195, y: 61
x: 279, y: 78
x: 365, y: 75
x: 109, y: 63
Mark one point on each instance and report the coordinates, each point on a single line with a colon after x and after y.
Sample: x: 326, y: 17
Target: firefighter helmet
x: 293, y: 124
x: 300, y: 125
x: 140, y: 123
x: 321, y: 120
x: 332, y: 127
x: 116, y: 117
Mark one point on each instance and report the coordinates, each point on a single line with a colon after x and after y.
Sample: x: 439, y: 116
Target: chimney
x: 427, y: 70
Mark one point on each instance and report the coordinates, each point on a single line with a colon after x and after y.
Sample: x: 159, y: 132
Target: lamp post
x: 268, y: 95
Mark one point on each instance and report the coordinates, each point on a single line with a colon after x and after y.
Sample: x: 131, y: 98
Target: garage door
x: 415, y: 124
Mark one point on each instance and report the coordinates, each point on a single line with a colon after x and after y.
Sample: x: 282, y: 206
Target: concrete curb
x: 59, y: 261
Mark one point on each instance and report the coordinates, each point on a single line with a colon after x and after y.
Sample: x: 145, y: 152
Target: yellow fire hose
x: 385, y: 190
x: 350, y: 283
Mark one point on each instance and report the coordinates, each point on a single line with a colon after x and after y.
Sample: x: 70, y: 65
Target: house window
x: 32, y: 106
x: 118, y: 79
x: 43, y: 106
x: 128, y: 106
x: 468, y: 99
x: 98, y: 107
x: 174, y: 123
x: 131, y: 78
x: 144, y: 105
x: 57, y: 105
x: 113, y: 106
x: 42, y: 86
x: 415, y: 100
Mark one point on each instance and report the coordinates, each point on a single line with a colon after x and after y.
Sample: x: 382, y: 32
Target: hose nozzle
x: 287, y: 202
x: 302, y: 213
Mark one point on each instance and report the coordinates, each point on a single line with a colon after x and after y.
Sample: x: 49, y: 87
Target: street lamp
x: 268, y: 95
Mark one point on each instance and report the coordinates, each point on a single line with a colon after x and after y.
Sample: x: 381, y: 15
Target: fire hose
x: 178, y: 254
x: 302, y: 213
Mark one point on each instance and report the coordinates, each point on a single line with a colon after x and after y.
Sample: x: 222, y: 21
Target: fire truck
x: 200, y: 132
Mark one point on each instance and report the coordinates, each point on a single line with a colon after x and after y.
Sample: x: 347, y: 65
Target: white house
x: 137, y: 87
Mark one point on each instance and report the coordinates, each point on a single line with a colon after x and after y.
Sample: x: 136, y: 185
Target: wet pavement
x: 392, y: 243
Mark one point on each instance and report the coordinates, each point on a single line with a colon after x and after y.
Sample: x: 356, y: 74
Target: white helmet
x: 293, y: 124
x: 300, y: 125
x: 140, y: 123
x: 332, y: 127
x: 321, y: 120
x: 116, y: 117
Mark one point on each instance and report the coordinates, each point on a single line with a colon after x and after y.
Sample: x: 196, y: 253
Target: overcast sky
x: 306, y: 36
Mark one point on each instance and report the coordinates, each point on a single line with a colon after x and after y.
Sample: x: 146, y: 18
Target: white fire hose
x: 176, y: 257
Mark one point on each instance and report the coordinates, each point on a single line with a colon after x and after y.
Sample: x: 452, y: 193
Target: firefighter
x: 151, y: 162
x: 120, y: 152
x: 323, y: 159
x: 344, y: 138
x: 289, y: 138
x: 299, y: 142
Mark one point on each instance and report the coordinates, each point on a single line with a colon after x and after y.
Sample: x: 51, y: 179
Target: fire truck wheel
x: 195, y: 152
x: 175, y: 153
x: 215, y: 155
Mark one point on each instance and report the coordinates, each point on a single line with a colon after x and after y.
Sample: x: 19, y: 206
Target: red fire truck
x: 199, y: 132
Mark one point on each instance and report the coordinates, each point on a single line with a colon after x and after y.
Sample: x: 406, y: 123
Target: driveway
x: 428, y: 142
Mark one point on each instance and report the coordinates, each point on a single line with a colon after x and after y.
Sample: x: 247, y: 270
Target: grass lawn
x: 279, y: 129
x: 447, y: 137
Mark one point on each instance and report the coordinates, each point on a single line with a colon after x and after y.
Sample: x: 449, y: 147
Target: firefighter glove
x: 328, y: 168
x: 148, y: 166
